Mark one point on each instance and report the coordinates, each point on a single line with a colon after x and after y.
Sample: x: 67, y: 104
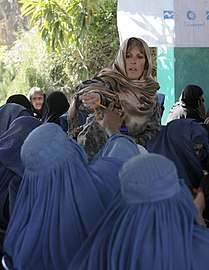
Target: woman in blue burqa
x: 11, y: 167
x: 151, y: 224
x: 61, y: 198
x: 9, y: 112
x: 185, y: 142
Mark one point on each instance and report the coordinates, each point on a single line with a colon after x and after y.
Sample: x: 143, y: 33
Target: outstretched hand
x: 112, y: 120
x: 90, y: 99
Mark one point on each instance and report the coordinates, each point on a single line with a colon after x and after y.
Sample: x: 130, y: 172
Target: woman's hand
x: 89, y: 99
x: 199, y: 201
x: 112, y: 121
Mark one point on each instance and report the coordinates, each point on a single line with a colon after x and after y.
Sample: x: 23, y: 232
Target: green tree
x: 61, y: 22
x: 25, y: 65
x: 84, y: 42
x: 82, y: 33
x: 101, y: 44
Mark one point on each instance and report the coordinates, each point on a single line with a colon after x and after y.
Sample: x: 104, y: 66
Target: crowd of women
x: 97, y: 183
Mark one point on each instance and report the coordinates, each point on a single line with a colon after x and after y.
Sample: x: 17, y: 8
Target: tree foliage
x: 61, y: 22
x: 25, y: 65
x: 81, y: 33
x: 80, y: 36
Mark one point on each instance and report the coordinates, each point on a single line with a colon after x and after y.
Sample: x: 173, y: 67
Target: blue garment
x: 151, y: 224
x: 64, y: 121
x: 117, y: 150
x: 176, y: 141
x: 61, y: 198
x: 12, y: 140
x: 161, y: 98
x: 9, y: 112
x: 11, y: 167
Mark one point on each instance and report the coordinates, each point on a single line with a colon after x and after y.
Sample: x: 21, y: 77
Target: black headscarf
x: 190, y: 95
x: 57, y: 104
x: 21, y: 100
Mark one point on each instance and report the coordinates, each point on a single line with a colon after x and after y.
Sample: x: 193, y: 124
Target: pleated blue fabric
x: 61, y: 198
x: 176, y: 141
x: 151, y: 224
x: 11, y: 167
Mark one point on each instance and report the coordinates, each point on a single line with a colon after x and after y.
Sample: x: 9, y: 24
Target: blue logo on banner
x: 207, y: 15
x: 168, y: 14
x: 191, y: 15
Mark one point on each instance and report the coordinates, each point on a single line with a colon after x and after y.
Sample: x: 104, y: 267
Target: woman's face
x: 37, y: 100
x: 134, y: 62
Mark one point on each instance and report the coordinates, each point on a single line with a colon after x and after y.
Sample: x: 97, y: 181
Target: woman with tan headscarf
x: 129, y: 84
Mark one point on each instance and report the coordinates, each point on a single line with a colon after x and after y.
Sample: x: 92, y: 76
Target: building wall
x: 178, y: 67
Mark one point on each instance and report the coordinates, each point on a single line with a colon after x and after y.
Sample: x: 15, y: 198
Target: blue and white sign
x: 179, y: 23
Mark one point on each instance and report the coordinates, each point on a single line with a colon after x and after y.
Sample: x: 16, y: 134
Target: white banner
x: 178, y: 23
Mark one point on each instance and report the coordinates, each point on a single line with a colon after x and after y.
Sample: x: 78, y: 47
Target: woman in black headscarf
x: 57, y: 104
x: 21, y: 100
x: 190, y: 105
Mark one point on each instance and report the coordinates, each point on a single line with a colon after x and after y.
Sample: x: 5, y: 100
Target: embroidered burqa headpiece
x: 146, y: 186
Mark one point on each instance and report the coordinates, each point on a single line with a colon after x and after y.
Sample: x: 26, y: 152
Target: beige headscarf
x: 137, y: 97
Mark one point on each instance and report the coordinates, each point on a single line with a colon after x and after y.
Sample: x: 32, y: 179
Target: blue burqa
x: 150, y: 225
x: 61, y: 197
x: 176, y: 141
x: 11, y: 167
x: 9, y: 112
